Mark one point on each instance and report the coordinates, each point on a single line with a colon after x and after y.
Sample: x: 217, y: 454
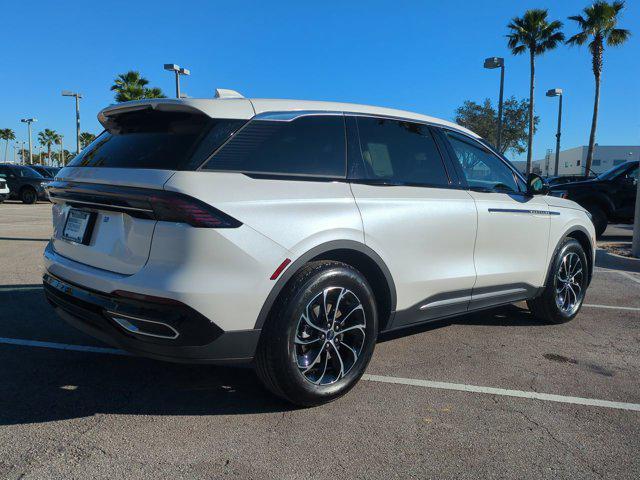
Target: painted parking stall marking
x: 374, y: 378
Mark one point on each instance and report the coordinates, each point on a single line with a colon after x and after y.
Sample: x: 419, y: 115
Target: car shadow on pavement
x: 46, y: 384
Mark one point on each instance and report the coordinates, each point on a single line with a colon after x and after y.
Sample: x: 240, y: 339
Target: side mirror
x: 536, y: 185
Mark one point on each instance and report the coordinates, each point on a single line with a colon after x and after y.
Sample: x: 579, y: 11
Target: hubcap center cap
x: 330, y: 335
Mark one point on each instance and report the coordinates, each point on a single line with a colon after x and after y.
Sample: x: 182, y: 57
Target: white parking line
x: 20, y: 289
x: 591, y: 402
x: 375, y: 378
x: 61, y: 346
x: 611, y: 307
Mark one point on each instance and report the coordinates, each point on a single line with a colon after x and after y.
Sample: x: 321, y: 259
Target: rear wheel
x: 28, y: 195
x: 566, y: 285
x: 320, y: 337
x: 599, y: 219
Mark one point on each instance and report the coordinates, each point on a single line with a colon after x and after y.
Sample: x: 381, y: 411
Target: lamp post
x: 172, y: 67
x: 29, y: 121
x: 557, y: 92
x: 61, y: 158
x: 78, y: 96
x: 491, y: 63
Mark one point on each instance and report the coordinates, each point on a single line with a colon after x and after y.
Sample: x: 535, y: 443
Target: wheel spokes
x: 326, y: 331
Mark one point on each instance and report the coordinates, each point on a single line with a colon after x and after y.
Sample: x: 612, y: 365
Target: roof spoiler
x: 107, y: 116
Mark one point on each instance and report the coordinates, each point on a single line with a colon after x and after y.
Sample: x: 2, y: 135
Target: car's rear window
x: 158, y: 140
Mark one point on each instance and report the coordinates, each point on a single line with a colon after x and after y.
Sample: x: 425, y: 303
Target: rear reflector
x: 280, y: 269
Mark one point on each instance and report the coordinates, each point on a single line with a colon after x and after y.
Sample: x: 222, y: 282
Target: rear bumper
x: 198, y: 340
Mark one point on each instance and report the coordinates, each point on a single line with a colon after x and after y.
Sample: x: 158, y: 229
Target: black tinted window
x: 482, y: 169
x: 307, y: 146
x: 399, y: 151
x: 154, y: 139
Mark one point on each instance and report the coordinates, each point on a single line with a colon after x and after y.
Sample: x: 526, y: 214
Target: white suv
x: 288, y: 234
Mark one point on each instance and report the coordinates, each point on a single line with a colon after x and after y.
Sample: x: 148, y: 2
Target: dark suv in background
x: 24, y: 183
x: 609, y: 197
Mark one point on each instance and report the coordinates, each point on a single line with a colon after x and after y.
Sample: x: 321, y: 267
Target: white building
x: 572, y: 161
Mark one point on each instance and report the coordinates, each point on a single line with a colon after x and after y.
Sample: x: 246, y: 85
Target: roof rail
x: 226, y: 93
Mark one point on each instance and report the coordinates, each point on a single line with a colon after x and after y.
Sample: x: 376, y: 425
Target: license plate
x: 78, y: 226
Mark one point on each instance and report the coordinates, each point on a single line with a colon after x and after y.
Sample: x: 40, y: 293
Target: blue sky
x: 424, y: 56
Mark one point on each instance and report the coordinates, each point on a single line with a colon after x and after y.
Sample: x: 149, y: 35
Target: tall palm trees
x: 533, y: 33
x: 598, y: 24
x: 7, y: 134
x: 86, y: 138
x: 47, y: 138
x: 133, y: 86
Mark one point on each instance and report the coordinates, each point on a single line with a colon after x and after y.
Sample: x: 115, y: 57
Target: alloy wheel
x: 330, y: 335
x: 568, y: 284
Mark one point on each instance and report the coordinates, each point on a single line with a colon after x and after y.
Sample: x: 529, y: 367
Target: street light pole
x: 490, y: 63
x: 172, y: 67
x: 61, y: 159
x: 29, y: 121
x: 557, y: 92
x: 78, y: 96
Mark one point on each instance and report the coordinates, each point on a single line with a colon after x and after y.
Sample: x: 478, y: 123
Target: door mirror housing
x: 536, y: 185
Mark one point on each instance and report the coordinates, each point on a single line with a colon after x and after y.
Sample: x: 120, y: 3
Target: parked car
x: 609, y: 197
x: 24, y: 183
x: 45, y: 171
x: 4, y: 189
x: 560, y: 180
x: 288, y: 234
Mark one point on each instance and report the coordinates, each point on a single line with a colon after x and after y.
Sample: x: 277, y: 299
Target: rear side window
x: 311, y: 146
x: 159, y: 140
x: 400, y: 152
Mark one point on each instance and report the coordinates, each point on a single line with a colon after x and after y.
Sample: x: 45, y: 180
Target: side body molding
x: 316, y: 252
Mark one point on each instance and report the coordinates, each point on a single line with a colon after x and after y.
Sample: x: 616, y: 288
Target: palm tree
x: 132, y: 86
x: 86, y: 138
x: 534, y: 33
x: 47, y: 138
x: 7, y: 134
x: 599, y: 23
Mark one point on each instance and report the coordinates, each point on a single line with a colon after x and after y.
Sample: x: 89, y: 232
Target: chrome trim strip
x: 84, y: 202
x: 519, y: 210
x: 500, y: 293
x: 288, y: 116
x: 121, y: 319
x: 448, y: 301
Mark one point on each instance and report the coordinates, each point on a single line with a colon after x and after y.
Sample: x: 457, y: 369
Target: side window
x: 481, y: 168
x: 399, y: 151
x: 632, y: 174
x: 307, y: 146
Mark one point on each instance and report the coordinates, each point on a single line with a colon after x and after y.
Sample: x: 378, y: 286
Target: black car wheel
x: 599, y: 219
x: 320, y: 336
x: 28, y: 195
x: 566, y: 285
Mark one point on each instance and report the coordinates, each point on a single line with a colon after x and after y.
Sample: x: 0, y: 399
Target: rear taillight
x: 176, y: 207
x: 142, y: 203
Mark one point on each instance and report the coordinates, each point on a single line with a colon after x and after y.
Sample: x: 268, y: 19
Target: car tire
x: 566, y: 285
x: 303, y: 356
x: 598, y: 218
x: 28, y: 195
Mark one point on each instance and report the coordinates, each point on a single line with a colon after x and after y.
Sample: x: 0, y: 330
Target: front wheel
x: 566, y: 285
x: 28, y: 196
x: 320, y: 336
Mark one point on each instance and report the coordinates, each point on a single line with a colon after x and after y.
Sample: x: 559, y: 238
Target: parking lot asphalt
x: 93, y: 412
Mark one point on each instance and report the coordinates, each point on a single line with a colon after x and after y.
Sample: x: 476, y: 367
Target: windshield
x: 612, y: 172
x: 26, y: 172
